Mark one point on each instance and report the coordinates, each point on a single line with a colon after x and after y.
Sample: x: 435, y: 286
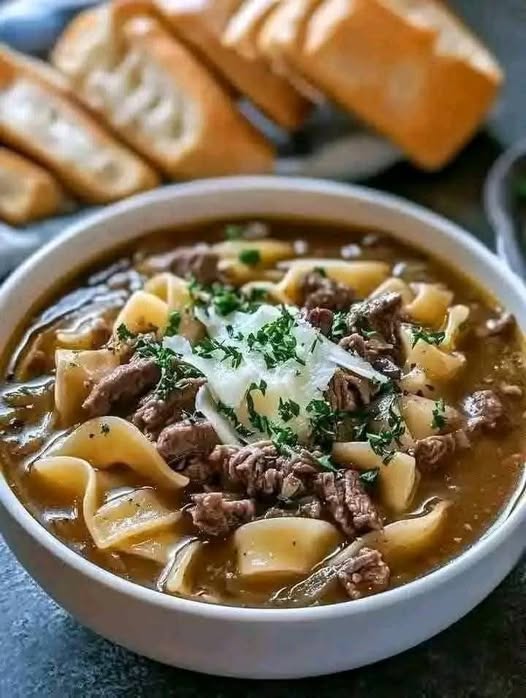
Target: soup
x: 288, y: 414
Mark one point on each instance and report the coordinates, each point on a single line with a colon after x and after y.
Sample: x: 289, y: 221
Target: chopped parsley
x: 323, y: 422
x: 275, y: 341
x: 427, y: 336
x: 224, y: 298
x: 439, y: 415
x: 124, y: 334
x: 326, y: 463
x: 173, y: 370
x: 288, y: 409
x: 250, y: 257
x: 207, y: 346
x: 174, y: 322
x: 339, y: 326
x: 321, y: 271
x: 282, y: 437
x: 231, y: 415
x: 382, y: 442
x: 370, y: 477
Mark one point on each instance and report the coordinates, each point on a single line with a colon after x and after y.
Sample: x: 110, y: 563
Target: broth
x: 476, y: 481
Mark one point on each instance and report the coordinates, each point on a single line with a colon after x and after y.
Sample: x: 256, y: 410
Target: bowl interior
x: 237, y: 197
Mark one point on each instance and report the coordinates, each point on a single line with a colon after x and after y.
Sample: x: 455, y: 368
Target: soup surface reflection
x: 266, y: 413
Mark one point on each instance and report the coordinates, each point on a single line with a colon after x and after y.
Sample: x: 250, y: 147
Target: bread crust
x: 39, y: 117
x: 27, y: 191
x: 410, y: 70
x: 157, y: 96
x: 202, y: 26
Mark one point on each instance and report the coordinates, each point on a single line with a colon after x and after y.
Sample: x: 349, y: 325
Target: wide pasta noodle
x: 177, y: 577
x: 104, y: 441
x: 437, y: 364
x: 110, y: 525
x: 284, y: 546
x: 394, y: 285
x: 143, y: 312
x: 419, y: 415
x: 363, y: 277
x: 411, y: 537
x: 457, y: 315
x: 430, y: 304
x: 269, y: 250
x: 397, y: 479
x: 175, y: 292
x: 76, y: 371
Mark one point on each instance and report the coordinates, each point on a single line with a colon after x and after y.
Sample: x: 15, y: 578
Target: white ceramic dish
x: 258, y: 643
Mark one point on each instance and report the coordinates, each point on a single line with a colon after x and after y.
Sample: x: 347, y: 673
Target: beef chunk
x: 122, y: 387
x: 308, y: 507
x: 485, y: 411
x: 347, y: 392
x: 348, y: 503
x: 432, y: 452
x: 215, y: 514
x: 202, y: 469
x: 381, y: 315
x: 186, y: 439
x: 321, y: 318
x: 198, y: 262
x: 502, y: 325
x: 154, y: 413
x: 318, y: 291
x: 379, y: 353
x: 364, y: 574
x: 261, y: 471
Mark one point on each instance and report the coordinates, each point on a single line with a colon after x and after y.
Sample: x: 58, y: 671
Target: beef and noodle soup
x: 288, y: 414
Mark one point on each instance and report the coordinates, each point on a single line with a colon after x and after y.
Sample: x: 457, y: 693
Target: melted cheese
x: 298, y: 381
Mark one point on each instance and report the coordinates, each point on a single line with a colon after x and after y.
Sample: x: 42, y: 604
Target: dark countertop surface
x: 44, y: 652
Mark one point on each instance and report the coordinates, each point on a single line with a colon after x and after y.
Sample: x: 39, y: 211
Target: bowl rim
x: 455, y: 567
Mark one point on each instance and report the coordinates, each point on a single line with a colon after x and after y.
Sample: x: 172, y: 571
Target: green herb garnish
x: 339, y: 326
x: 174, y: 322
x: 275, y: 341
x: 439, y: 415
x: 173, y: 371
x: 207, y: 346
x: 250, y: 257
x: 321, y: 271
x: 288, y: 409
x: 427, y: 336
x: 124, y: 334
x: 370, y: 477
x: 225, y: 299
x: 231, y: 415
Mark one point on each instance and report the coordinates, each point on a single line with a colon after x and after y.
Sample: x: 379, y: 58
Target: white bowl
x: 257, y: 643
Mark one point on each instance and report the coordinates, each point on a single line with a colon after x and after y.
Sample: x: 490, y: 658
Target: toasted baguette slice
x: 280, y: 40
x: 39, y: 118
x: 27, y: 192
x: 407, y: 67
x: 161, y: 100
x: 201, y: 25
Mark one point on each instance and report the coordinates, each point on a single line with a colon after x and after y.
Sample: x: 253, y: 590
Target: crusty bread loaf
x: 38, y: 117
x: 201, y: 26
x: 27, y: 191
x: 409, y: 68
x: 160, y: 99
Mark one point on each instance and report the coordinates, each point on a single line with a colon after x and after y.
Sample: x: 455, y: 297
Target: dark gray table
x: 44, y: 652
